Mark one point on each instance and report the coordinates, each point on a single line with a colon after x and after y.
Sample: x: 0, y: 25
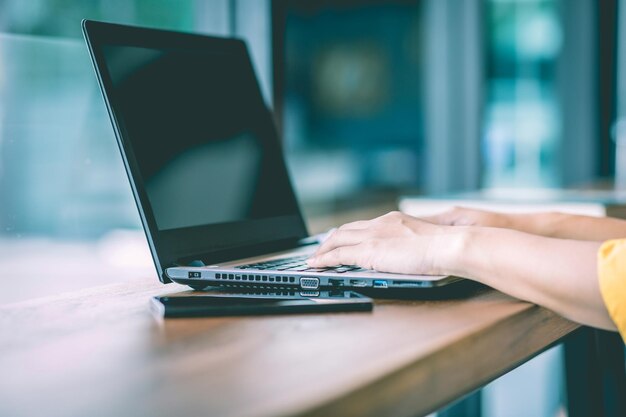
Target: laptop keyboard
x: 298, y: 264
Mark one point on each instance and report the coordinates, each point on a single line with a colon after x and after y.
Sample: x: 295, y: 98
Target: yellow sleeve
x: 612, y: 276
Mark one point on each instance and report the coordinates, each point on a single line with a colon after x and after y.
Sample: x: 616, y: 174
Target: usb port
x: 379, y: 283
x: 335, y: 282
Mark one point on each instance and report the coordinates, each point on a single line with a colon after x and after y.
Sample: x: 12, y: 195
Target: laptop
x: 206, y: 166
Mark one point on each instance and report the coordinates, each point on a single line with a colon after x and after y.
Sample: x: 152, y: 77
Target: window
x: 66, y: 204
x: 522, y: 112
x: 550, y: 83
x: 352, y: 96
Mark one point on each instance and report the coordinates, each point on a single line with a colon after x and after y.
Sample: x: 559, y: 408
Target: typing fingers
x: 342, y: 238
x: 360, y: 224
x: 344, y: 255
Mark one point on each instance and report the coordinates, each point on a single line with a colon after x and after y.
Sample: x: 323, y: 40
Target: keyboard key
x: 298, y: 268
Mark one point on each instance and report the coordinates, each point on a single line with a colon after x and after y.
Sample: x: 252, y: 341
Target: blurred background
x: 374, y: 98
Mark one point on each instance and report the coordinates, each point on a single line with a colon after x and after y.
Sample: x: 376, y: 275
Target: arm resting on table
x: 560, y: 274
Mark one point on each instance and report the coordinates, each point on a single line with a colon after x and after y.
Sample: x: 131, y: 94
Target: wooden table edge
x: 497, y: 350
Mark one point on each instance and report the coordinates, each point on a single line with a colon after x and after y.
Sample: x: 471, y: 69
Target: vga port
x: 309, y: 283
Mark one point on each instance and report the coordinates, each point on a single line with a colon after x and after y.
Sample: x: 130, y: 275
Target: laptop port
x: 358, y: 283
x: 380, y: 283
x: 334, y: 282
x: 414, y: 284
x: 311, y: 283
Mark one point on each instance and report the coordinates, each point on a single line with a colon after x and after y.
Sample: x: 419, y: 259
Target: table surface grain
x: 100, y: 352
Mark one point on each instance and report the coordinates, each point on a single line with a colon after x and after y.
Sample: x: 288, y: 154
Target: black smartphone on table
x: 243, y: 302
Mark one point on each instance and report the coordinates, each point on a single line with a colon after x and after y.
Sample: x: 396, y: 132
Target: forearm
x: 569, y: 226
x: 555, y: 273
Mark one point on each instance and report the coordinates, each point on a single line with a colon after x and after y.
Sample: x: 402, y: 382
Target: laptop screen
x: 200, y: 137
x: 201, y: 149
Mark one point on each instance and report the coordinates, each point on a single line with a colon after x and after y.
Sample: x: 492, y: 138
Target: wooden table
x: 99, y: 352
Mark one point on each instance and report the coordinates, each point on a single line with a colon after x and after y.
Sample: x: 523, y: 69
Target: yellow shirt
x: 612, y: 275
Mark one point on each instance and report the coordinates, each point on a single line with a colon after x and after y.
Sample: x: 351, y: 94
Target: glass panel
x: 353, y: 97
x: 522, y: 111
x: 620, y: 125
x: 62, y: 17
x: 62, y: 174
x: 67, y: 216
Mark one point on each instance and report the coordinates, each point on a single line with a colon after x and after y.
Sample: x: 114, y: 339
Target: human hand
x: 395, y: 243
x: 462, y: 216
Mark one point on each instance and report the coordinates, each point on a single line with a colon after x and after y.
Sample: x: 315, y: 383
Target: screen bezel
x: 186, y: 245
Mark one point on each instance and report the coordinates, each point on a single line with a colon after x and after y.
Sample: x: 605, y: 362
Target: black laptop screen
x: 200, y: 135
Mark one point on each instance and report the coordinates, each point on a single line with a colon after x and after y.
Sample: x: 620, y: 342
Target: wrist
x: 469, y: 250
x: 451, y: 252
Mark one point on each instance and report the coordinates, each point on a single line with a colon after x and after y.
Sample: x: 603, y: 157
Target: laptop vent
x: 256, y: 278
